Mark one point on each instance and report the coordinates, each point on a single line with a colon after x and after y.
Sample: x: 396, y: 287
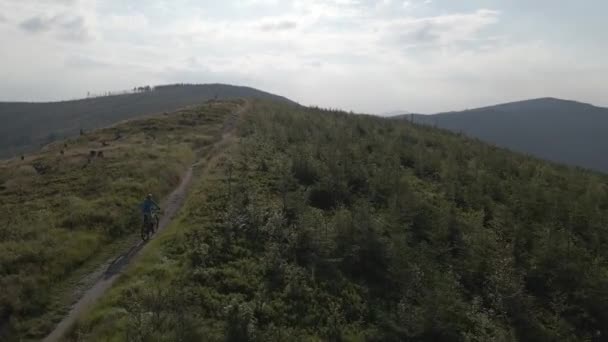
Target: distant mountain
x: 563, y: 131
x: 26, y: 126
x: 394, y: 113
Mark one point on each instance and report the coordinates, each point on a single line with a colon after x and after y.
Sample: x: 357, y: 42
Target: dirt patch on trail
x: 109, y: 272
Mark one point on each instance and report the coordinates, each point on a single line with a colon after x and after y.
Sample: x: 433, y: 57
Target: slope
x: 27, y: 126
x: 568, y: 132
x: 321, y: 225
x: 108, y: 273
x: 67, y: 210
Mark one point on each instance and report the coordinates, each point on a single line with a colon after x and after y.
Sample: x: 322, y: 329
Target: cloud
x: 438, y: 30
x: 259, y: 2
x: 73, y: 28
x: 58, y: 2
x: 65, y: 26
x: 329, y: 9
x: 36, y: 24
x: 85, y: 62
x: 329, y: 52
x: 278, y: 26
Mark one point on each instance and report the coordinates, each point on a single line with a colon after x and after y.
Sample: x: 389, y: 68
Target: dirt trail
x: 108, y: 273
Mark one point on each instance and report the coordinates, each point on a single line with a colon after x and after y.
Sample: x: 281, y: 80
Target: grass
x: 63, y: 211
x: 318, y: 225
x: 110, y: 321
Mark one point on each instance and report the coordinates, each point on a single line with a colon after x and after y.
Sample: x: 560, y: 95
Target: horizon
x: 387, y: 114
x: 418, y: 56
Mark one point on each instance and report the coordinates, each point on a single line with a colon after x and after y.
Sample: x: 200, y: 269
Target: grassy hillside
x: 63, y: 212
x: 327, y: 226
x: 568, y: 132
x: 27, y: 126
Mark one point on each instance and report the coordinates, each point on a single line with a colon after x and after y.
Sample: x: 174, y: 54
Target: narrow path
x: 174, y: 203
x: 109, y: 273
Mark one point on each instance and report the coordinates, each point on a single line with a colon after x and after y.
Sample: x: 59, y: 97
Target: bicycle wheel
x: 144, y: 233
x: 145, y: 229
x: 156, y: 223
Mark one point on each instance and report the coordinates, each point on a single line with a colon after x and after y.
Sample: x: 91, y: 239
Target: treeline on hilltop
x: 339, y: 227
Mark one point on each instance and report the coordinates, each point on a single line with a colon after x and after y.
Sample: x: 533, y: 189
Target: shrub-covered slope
x: 327, y: 226
x: 65, y: 211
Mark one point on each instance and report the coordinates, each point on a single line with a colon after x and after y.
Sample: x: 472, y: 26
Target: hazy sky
x: 371, y: 56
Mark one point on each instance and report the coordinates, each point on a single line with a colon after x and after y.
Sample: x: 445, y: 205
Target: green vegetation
x: 326, y: 226
x: 69, y: 209
x: 27, y: 126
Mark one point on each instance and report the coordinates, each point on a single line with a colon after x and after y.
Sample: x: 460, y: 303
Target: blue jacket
x: 148, y: 205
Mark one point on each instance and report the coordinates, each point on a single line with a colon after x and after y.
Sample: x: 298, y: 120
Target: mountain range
x: 27, y: 126
x: 562, y: 131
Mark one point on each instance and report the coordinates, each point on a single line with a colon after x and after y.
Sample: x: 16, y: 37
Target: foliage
x: 69, y: 209
x: 326, y: 226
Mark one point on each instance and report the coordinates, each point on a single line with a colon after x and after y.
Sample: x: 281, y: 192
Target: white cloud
x: 363, y: 55
x: 437, y: 30
x: 259, y: 2
x: 281, y: 25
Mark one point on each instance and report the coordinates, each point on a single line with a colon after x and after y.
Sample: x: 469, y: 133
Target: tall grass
x: 64, y: 210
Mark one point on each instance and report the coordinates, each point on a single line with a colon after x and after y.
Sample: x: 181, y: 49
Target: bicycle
x: 150, y: 225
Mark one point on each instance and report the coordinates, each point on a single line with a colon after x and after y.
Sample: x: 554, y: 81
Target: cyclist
x: 147, y: 207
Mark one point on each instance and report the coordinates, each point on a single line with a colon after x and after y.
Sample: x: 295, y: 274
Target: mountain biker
x: 148, y: 206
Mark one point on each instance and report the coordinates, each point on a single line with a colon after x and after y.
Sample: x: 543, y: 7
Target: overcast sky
x: 369, y: 56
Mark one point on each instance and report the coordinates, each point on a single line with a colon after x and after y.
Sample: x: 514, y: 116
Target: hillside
x: 68, y: 210
x: 319, y: 225
x: 567, y: 132
x: 27, y: 126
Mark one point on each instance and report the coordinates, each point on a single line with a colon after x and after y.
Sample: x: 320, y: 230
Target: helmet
x: 149, y: 196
